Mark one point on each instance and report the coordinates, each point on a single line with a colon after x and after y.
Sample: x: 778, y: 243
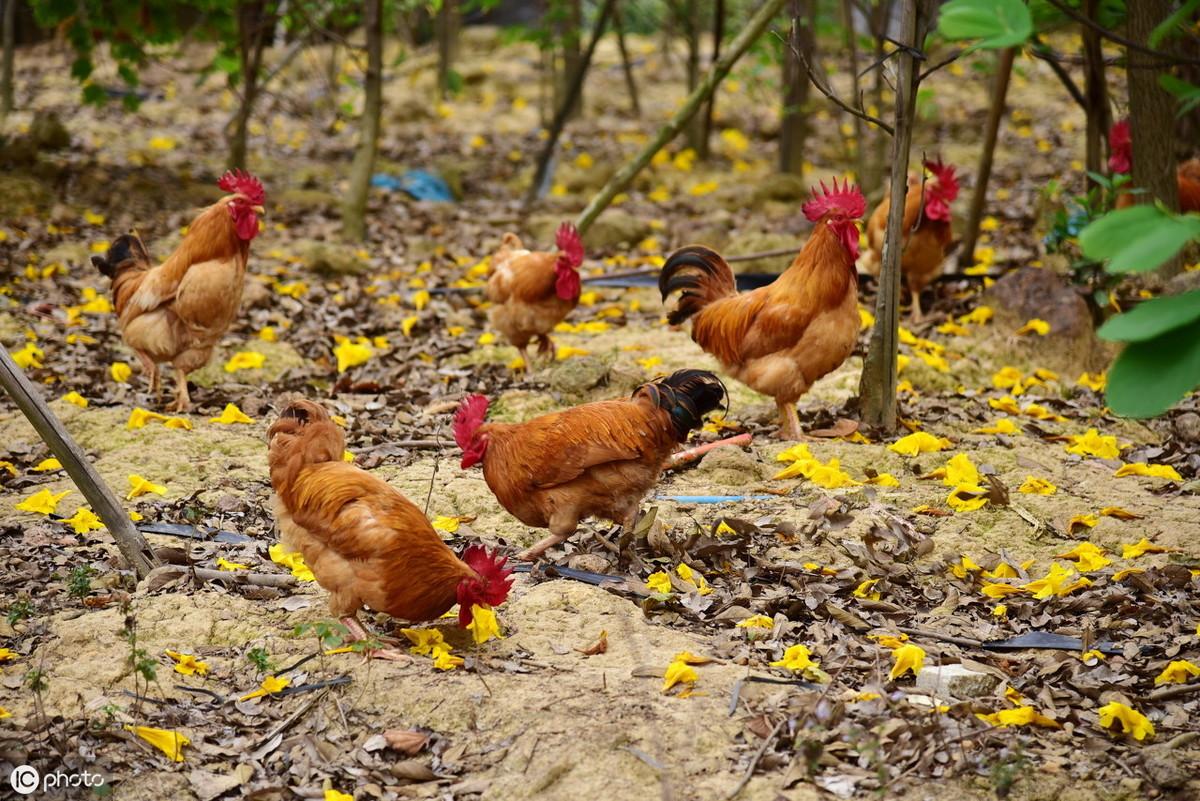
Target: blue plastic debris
x: 713, y: 498
x: 419, y: 184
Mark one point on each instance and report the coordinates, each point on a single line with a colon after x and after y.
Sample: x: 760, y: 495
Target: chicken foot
x: 359, y: 634
x: 183, y: 401
x: 789, y: 428
x: 916, y: 315
x: 150, y: 368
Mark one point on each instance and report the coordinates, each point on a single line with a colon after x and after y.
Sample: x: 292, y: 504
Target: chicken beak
x: 259, y: 210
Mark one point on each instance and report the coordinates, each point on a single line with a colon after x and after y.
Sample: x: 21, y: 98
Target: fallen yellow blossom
x: 83, y: 521
x: 1152, y: 470
x: 42, y: 502
x: 292, y: 561
x: 756, y: 622
x: 1056, y: 582
x: 170, y: 743
x: 919, y: 442
x: 967, y: 498
x: 188, y: 664
x: 1087, y: 557
x: 244, y: 360
x: 1034, y: 326
x: 1132, y: 721
x: 659, y: 582
x: 1143, y: 546
x: 908, y: 658
x: 1179, y: 671
x: 1037, y: 486
x: 120, y: 372
x: 483, y: 625
x: 231, y: 414
x: 1004, y: 425
x: 1093, y: 443
x: 270, y: 686
x: 678, y: 672
x: 1021, y: 716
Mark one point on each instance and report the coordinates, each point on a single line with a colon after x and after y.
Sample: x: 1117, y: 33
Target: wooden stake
x: 619, y: 182
x: 129, y: 540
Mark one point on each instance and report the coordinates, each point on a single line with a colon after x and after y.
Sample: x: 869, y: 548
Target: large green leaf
x: 1150, y: 377
x: 1152, y: 318
x: 995, y: 23
x: 1139, y: 238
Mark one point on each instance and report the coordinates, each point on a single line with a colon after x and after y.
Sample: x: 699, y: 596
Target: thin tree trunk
x: 104, y: 503
x: 624, y: 176
x: 1095, y: 92
x: 1152, y: 116
x: 570, y: 34
x: 878, y: 151
x: 690, y: 21
x: 860, y: 129
x: 877, y: 390
x: 626, y: 63
x: 256, y: 20
x: 793, y: 130
x: 568, y: 102
x: 6, y: 62
x: 447, y: 38
x: 718, y: 34
x: 354, y: 213
x: 1004, y: 65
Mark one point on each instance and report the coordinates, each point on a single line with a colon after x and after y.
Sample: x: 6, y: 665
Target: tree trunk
x: 626, y: 63
x: 860, y: 129
x: 690, y: 20
x: 873, y: 175
x: 1004, y: 65
x: 624, y: 176
x: 104, y: 503
x: 570, y: 33
x: 718, y: 35
x: 6, y: 61
x: 1151, y: 116
x: 256, y: 20
x: 1099, y: 119
x: 448, y: 20
x: 793, y: 126
x: 354, y: 213
x: 569, y: 101
x: 877, y: 390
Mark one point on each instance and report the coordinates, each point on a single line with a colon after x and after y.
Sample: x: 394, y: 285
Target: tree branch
x: 1121, y: 40
x: 859, y: 112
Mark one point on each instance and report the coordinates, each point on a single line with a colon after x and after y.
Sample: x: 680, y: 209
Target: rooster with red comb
x: 177, y: 311
x: 780, y: 338
x: 927, y: 230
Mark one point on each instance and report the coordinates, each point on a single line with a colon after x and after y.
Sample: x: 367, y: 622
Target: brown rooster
x: 177, y: 311
x: 599, y: 459
x: 367, y: 544
x: 780, y: 338
x: 927, y: 233
x: 533, y: 291
x: 1120, y: 162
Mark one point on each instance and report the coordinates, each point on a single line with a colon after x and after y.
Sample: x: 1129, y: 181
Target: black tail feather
x: 125, y: 248
x: 700, y: 275
x: 687, y: 396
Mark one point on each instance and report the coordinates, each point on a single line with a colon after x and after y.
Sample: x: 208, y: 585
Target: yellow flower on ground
x: 188, y: 664
x: 967, y: 498
x: 1152, y: 470
x: 965, y: 567
x: 1006, y: 378
x: 406, y: 325
x: 120, y: 372
x: 908, y: 658
x: 138, y: 418
x: 270, y: 686
x: 267, y: 333
x: 423, y: 640
x: 225, y: 564
x: 678, y: 672
x: 1082, y: 521
x: 296, y: 289
x: 1006, y: 404
x: 883, y: 480
x: 83, y: 521
x: 1002, y: 426
x: 565, y: 352
x: 76, y: 399
x: 831, y: 476
x: 140, y: 486
x: 1021, y: 716
x: 865, y: 590
x: 919, y: 442
x: 694, y: 578
x: 351, y: 354
x: 865, y: 319
x: 1143, y: 546
x: 335, y: 795
x: 170, y: 743
x: 796, y: 453
x: 292, y: 561
x: 1180, y: 671
x: 1087, y: 556
x: 1057, y: 582
x: 1132, y: 721
x: 444, y: 660
x: 658, y: 582
x: 650, y: 362
x: 1037, y: 486
x: 959, y: 470
x: 1093, y: 443
x: 796, y: 658
x: 1034, y: 326
x: 953, y: 329
x: 1129, y: 571
x: 1000, y: 610
x: 420, y: 299
x: 244, y: 360
x: 978, y: 316
x: 447, y: 524
x: 1095, y: 382
x: 7, y: 654
x: 231, y: 414
x: 1119, y: 513
x: 892, y: 641
x: 42, y: 502
x: 756, y: 622
x: 483, y: 625
x: 46, y: 465
x: 999, y: 590
x: 28, y: 356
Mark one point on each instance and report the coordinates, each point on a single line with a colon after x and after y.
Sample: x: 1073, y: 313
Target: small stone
x: 956, y: 681
x: 1187, y: 427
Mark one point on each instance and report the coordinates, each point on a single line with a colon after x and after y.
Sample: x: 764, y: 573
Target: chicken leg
x: 359, y: 634
x: 561, y: 527
x: 182, y: 401
x: 789, y: 428
x: 151, y: 370
x: 916, y: 316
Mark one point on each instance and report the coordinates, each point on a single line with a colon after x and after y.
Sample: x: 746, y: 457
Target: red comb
x: 470, y: 415
x: 1120, y: 148
x: 495, y: 581
x: 569, y: 244
x: 846, y: 199
x: 947, y: 181
x: 243, y: 183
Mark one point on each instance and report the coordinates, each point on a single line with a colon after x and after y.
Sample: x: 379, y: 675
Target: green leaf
x: 996, y: 23
x: 1138, y: 238
x: 1150, y: 377
x: 1152, y: 318
x: 1181, y: 15
x: 1187, y: 93
x: 94, y: 95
